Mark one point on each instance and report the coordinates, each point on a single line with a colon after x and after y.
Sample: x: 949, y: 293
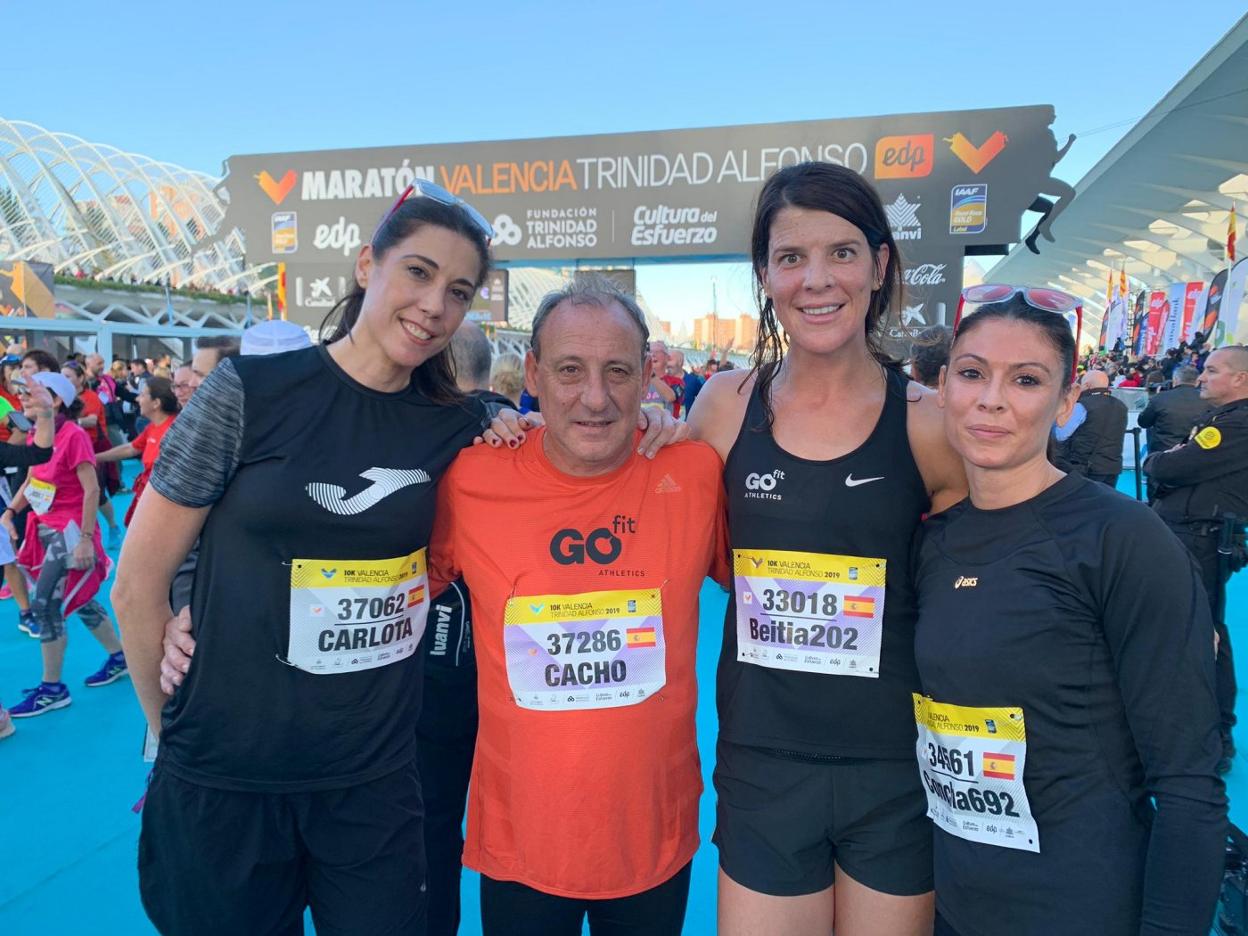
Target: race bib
x: 348, y: 615
x: 809, y: 611
x: 971, y: 761
x: 40, y: 494
x: 596, y: 650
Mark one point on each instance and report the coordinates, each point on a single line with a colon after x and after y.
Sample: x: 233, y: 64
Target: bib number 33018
x: 809, y: 612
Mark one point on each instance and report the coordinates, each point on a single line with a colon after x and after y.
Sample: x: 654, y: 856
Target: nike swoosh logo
x: 386, y: 481
x: 851, y: 481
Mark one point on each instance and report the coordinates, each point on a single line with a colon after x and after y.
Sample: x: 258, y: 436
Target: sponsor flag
x: 1191, y: 310
x: 1213, y: 305
x: 1123, y: 291
x: 639, y: 637
x: 415, y: 595
x: 998, y: 766
x: 860, y: 606
x: 1230, y: 235
x: 1236, y: 287
x: 281, y: 290
x: 1138, y: 331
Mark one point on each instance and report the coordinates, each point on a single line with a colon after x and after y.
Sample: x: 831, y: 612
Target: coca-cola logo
x: 925, y: 274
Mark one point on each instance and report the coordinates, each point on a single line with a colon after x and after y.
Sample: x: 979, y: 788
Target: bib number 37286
x: 809, y: 611
x: 348, y: 615
x: 593, y: 650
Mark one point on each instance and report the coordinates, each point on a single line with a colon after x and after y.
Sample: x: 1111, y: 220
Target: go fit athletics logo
x: 275, y: 189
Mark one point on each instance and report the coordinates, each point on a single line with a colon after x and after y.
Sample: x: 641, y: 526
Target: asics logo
x: 851, y: 481
x: 386, y: 481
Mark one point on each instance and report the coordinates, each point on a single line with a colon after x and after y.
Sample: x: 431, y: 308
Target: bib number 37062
x: 809, y: 611
x: 348, y: 615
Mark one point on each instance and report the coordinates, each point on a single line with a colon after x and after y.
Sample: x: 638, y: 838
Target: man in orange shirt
x: 584, y: 561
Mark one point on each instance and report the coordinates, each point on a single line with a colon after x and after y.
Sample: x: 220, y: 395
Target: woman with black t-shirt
x: 1068, y: 731
x: 286, y: 775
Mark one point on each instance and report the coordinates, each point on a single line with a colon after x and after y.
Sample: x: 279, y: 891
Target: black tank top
x: 868, y: 503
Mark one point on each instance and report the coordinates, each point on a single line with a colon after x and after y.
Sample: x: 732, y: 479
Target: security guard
x: 1202, y: 482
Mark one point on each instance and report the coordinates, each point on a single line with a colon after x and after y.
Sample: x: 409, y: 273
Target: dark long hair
x: 840, y: 191
x: 436, y: 377
x: 160, y: 389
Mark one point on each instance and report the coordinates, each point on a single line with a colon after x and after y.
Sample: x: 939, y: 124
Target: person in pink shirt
x: 63, y: 553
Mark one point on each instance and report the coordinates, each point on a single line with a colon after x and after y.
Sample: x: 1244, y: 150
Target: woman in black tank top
x: 832, y: 458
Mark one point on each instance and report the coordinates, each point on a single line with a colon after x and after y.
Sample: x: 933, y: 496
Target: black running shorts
x: 219, y: 861
x: 783, y: 824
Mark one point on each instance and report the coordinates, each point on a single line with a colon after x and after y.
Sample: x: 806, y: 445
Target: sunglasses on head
x: 423, y: 189
x: 1044, y: 299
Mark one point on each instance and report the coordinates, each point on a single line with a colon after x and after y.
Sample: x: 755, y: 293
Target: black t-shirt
x: 1082, y: 609
x: 298, y: 461
x: 867, y: 503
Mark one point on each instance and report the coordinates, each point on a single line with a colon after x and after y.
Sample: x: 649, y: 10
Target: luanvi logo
x: 903, y: 218
x: 385, y: 481
x: 277, y: 190
x: 963, y: 581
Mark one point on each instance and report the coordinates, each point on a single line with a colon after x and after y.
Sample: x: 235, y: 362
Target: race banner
x: 948, y: 180
x: 1172, y: 327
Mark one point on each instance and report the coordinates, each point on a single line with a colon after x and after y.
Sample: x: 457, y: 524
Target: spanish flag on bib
x: 639, y: 637
x: 999, y: 766
x: 862, y: 606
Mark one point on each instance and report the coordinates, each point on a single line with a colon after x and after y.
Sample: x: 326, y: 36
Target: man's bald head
x: 1225, y: 378
x: 473, y: 355
x: 1095, y: 380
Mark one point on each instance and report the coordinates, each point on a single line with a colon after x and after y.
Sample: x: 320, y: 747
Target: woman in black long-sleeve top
x: 1068, y: 732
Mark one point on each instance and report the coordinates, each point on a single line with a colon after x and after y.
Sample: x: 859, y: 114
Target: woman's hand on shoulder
x: 507, y: 428
x: 658, y: 429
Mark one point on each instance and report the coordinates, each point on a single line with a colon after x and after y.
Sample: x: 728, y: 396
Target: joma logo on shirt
x: 963, y: 581
x: 386, y: 481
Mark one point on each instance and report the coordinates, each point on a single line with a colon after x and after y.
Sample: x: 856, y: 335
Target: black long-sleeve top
x: 23, y: 456
x: 1083, y: 609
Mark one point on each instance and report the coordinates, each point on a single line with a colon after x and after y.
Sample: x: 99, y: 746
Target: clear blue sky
x: 194, y: 83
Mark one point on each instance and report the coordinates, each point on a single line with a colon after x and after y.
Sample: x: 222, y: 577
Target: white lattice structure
x: 91, y: 207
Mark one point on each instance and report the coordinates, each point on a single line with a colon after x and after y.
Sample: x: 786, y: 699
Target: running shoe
x: 42, y: 699
x: 6, y: 725
x: 112, y: 670
x: 29, y: 624
x: 5, y: 593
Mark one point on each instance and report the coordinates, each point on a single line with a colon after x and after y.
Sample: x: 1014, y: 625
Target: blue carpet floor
x: 67, y: 833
